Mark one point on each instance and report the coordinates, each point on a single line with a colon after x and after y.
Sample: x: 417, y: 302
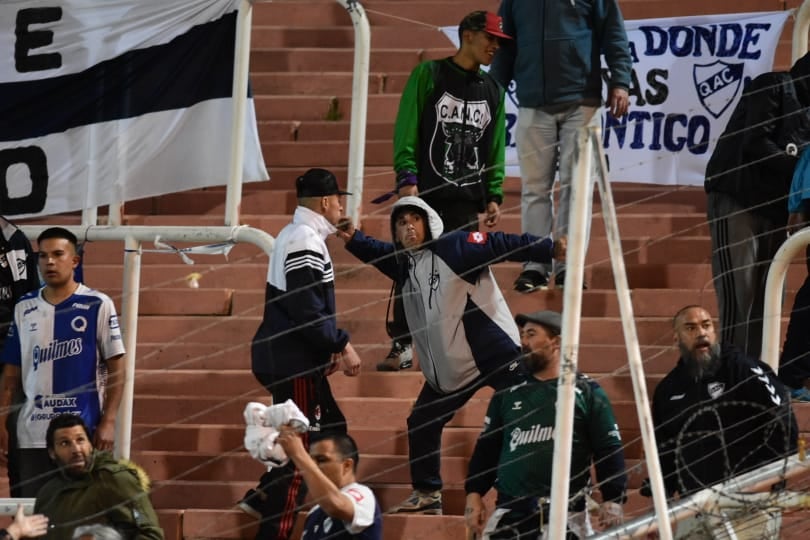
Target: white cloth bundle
x: 261, y: 430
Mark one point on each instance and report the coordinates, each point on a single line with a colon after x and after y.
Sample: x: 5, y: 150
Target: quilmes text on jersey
x: 57, y: 350
x: 536, y: 433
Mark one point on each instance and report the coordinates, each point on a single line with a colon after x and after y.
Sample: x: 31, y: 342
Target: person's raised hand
x: 345, y: 228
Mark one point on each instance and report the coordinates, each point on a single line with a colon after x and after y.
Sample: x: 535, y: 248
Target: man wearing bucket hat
x: 462, y: 328
x: 449, y: 141
x: 298, y: 343
x: 515, y: 451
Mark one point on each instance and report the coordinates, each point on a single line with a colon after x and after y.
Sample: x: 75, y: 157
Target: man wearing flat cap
x: 298, y: 343
x: 515, y: 450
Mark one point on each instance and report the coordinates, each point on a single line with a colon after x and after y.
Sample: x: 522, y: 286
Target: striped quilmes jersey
x: 60, y: 350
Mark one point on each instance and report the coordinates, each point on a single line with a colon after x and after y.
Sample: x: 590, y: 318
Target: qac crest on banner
x: 717, y: 85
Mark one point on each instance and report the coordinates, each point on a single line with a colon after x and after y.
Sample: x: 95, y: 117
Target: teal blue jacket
x: 555, y: 55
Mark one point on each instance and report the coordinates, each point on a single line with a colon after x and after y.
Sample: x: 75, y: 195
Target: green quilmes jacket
x: 450, y: 132
x: 112, y: 492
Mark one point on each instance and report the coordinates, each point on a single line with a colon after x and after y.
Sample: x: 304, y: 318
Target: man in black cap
x: 298, y: 343
x: 515, y: 451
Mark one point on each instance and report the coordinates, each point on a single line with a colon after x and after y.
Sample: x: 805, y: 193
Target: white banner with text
x: 688, y: 74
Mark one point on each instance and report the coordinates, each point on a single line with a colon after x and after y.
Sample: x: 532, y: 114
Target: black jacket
x: 749, y: 162
x: 18, y: 271
x: 299, y: 333
x: 722, y: 425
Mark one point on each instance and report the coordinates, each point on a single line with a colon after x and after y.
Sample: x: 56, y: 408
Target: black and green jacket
x: 112, y: 492
x: 450, y: 132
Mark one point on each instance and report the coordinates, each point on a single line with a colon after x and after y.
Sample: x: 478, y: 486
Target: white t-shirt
x: 366, y: 524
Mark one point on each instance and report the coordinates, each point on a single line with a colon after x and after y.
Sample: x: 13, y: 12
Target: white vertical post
x: 241, y: 63
x: 800, y: 28
x: 635, y: 364
x: 129, y: 329
x: 774, y: 286
x: 571, y: 316
x: 357, y: 137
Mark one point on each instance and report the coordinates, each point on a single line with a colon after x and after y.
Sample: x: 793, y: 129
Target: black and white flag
x: 115, y: 100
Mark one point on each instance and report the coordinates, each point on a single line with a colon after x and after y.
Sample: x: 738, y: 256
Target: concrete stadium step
x: 252, y: 276
x: 379, y: 12
x: 373, y: 469
x: 171, y: 521
x: 308, y: 59
x: 226, y: 524
x: 419, y: 12
x: 370, y: 384
x: 625, y: 194
x: 324, y: 130
x: 273, y: 198
x: 228, y: 410
x: 330, y: 153
x: 636, y: 250
x: 214, y: 495
x: 596, y: 302
x: 226, y: 330
x: 381, y: 107
x: 384, y: 37
x: 228, y: 438
x: 320, y: 83
x: 239, y: 466
x: 184, y: 301
x: 361, y: 412
x: 659, y: 225
x: 186, y: 354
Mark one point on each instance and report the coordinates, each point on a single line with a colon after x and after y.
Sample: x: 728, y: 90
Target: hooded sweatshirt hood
x: 435, y: 225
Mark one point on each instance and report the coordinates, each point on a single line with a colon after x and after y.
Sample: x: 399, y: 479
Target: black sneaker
x: 531, y: 280
x: 400, y: 357
x: 559, y: 281
x: 252, y: 503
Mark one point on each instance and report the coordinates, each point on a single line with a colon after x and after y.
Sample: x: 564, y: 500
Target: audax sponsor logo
x: 57, y: 350
x: 29, y: 310
x: 77, y: 305
x: 56, y: 402
x: 536, y: 433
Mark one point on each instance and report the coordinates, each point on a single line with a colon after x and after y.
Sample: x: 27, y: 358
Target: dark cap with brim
x: 317, y: 183
x: 550, y: 320
x: 484, y: 21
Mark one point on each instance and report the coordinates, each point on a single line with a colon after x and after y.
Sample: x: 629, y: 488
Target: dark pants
x: 527, y: 518
x: 456, y: 216
x: 431, y: 412
x: 743, y: 246
x: 283, y: 486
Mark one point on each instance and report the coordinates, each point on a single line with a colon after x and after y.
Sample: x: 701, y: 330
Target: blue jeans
x: 545, y: 135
